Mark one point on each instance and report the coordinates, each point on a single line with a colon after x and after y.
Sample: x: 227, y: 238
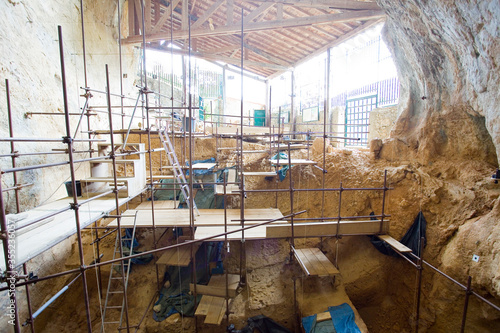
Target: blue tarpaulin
x: 342, y: 321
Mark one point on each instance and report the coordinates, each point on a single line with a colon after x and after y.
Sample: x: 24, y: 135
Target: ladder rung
x: 114, y: 307
x: 111, y: 322
x: 115, y: 292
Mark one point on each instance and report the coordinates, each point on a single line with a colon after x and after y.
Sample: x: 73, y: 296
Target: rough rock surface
x: 448, y: 53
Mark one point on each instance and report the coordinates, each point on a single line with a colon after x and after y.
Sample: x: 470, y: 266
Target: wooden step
x: 213, y: 308
x: 314, y: 263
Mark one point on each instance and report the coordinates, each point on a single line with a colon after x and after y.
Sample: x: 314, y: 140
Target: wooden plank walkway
x: 180, y: 256
x: 318, y: 229
x: 314, y: 263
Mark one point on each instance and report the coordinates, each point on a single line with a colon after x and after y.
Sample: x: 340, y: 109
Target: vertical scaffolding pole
x: 148, y: 130
x: 16, y: 191
x: 420, y: 268
x: 115, y: 190
x: 75, y: 206
x: 10, y: 264
x: 191, y: 175
x: 242, y: 186
x: 292, y: 239
x: 87, y: 93
x: 468, y: 292
x: 325, y: 113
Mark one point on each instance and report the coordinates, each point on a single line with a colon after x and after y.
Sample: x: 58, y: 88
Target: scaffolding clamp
x: 67, y: 139
x: 74, y: 206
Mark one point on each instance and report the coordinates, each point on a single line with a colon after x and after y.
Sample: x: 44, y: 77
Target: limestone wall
x: 29, y: 59
x: 382, y: 121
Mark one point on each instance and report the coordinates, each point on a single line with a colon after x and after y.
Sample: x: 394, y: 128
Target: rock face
x: 447, y: 53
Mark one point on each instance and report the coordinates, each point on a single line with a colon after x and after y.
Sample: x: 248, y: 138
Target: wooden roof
x: 277, y: 34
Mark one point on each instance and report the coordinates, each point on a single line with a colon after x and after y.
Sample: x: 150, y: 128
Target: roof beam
x: 166, y: 15
x: 227, y: 60
x: 364, y: 26
x: 363, y: 15
x: 202, y: 19
x: 332, y: 4
x: 259, y: 10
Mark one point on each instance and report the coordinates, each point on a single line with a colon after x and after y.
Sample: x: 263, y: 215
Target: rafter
x: 166, y: 15
x: 269, y: 25
x: 202, y: 19
x: 364, y: 26
x: 227, y: 60
x: 259, y: 10
x: 333, y: 4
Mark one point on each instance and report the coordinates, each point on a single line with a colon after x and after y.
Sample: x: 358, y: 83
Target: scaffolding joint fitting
x: 3, y: 235
x: 74, y: 206
x: 67, y: 139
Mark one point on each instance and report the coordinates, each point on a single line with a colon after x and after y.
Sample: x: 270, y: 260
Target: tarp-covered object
x: 411, y: 238
x: 260, y: 324
x: 342, y: 321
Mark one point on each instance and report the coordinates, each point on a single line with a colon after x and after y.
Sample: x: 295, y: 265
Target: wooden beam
x: 364, y: 26
x: 394, y: 243
x: 332, y: 4
x: 227, y: 60
x: 229, y: 12
x: 220, y: 50
x: 185, y: 17
x: 325, y: 229
x: 268, y: 25
x: 279, y: 11
x: 131, y: 18
x: 202, y: 19
x: 259, y: 10
x: 147, y: 16
x: 159, y: 24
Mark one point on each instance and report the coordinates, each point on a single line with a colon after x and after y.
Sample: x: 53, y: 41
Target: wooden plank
x: 262, y: 173
x: 217, y: 306
x: 394, y: 243
x: 322, y: 316
x: 263, y: 8
x: 166, y: 15
x: 180, y: 256
x: 293, y: 161
x: 326, y: 229
x: 231, y: 189
x: 305, y: 263
x: 159, y: 204
x: 202, y: 309
x: 328, y: 266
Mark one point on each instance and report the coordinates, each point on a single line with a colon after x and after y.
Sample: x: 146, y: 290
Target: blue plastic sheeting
x: 282, y: 172
x: 342, y: 321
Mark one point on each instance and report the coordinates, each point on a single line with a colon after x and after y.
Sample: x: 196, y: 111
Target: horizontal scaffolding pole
x: 201, y: 240
x: 61, y: 140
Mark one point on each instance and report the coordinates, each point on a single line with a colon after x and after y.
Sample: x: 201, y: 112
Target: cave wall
x: 447, y: 53
x: 29, y: 59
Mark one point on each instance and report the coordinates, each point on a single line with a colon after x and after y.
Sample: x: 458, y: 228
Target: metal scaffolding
x: 186, y: 137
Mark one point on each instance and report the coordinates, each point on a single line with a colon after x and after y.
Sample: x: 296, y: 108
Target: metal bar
x: 104, y: 263
x: 340, y: 210
x: 383, y: 204
x: 468, y: 292
x: 12, y: 144
x: 118, y: 220
x: 46, y: 140
x: 419, y: 284
x: 292, y: 239
x: 16, y: 188
x: 8, y: 237
x: 75, y: 206
x: 55, y: 114
x: 28, y: 301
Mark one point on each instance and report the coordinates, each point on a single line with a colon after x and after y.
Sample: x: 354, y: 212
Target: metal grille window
x: 357, y: 118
